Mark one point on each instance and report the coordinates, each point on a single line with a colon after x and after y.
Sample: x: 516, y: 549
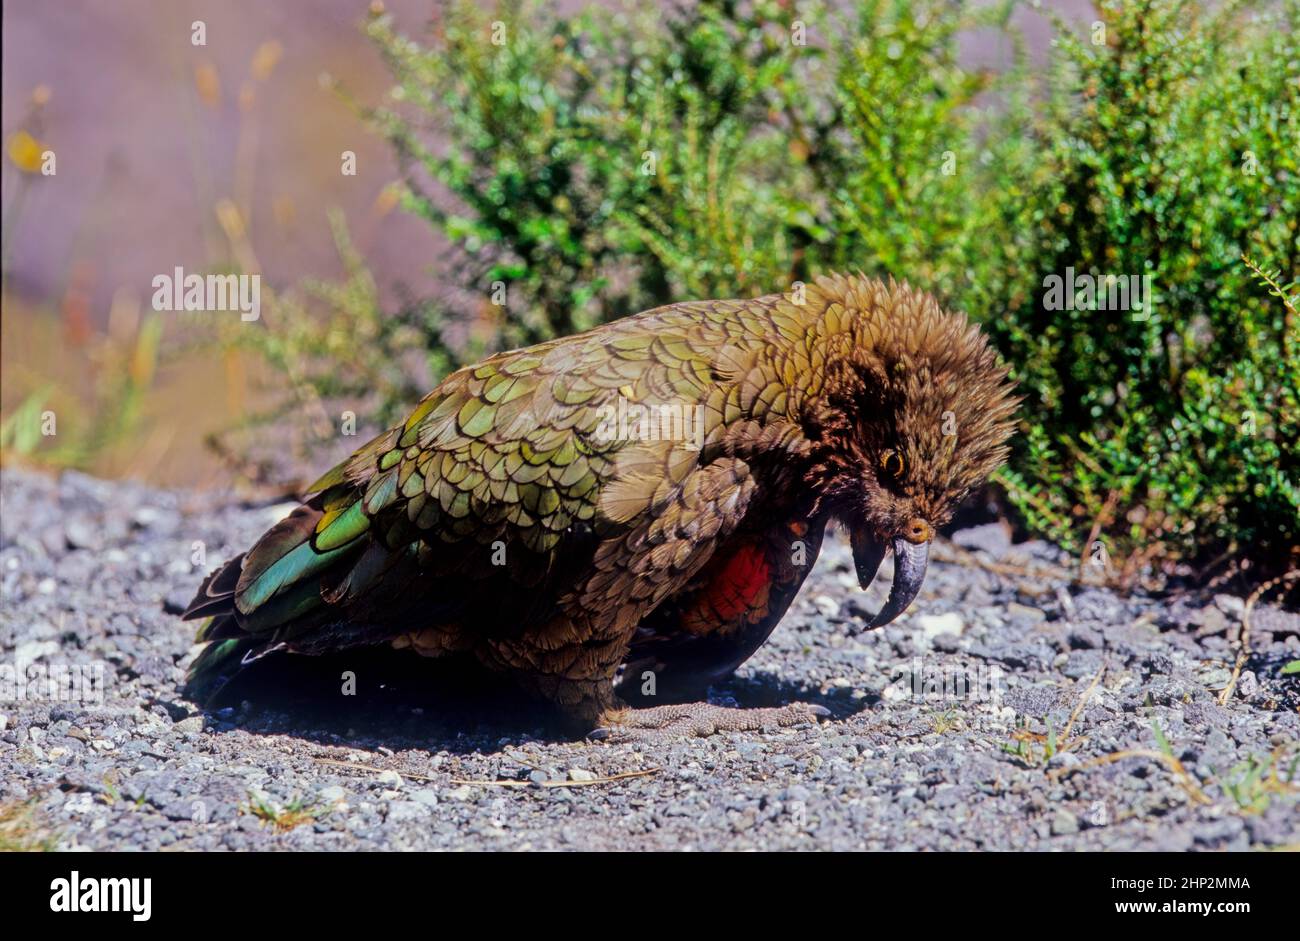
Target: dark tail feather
x: 261, y: 599
x: 217, y: 665
x: 216, y: 596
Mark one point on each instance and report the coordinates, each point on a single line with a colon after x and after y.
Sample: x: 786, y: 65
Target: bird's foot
x: 696, y: 720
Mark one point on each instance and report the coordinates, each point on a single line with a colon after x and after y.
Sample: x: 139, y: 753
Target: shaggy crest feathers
x: 884, y: 367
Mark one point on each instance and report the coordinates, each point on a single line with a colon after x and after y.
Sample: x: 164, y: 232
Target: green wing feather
x: 509, y: 451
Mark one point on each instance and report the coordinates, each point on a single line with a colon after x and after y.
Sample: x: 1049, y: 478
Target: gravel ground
x: 940, y: 738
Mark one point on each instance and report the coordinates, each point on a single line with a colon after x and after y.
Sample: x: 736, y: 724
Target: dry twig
x: 1243, y: 650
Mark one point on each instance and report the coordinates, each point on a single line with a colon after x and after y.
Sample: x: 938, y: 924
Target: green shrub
x: 1169, y: 149
x: 585, y: 162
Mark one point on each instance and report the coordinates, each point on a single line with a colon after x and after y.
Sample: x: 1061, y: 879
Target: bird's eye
x: 892, y: 463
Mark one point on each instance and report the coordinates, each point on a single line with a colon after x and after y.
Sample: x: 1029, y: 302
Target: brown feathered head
x: 916, y: 415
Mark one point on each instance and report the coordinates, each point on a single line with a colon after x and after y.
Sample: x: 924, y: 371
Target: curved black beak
x: 910, y: 562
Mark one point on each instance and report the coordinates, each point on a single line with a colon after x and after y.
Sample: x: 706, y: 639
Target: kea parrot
x: 642, y: 500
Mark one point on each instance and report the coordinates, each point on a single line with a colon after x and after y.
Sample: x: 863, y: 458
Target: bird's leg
x: 695, y: 720
x: 593, y: 705
x: 580, y: 681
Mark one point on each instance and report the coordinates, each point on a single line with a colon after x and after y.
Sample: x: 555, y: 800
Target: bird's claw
x: 695, y: 720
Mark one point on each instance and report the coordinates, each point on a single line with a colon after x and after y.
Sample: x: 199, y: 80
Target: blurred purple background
x: 147, y: 143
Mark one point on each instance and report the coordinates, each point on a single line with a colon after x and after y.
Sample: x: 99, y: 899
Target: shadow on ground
x: 382, y: 697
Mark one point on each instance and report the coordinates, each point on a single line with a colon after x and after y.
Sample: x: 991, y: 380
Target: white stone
x: 932, y: 625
